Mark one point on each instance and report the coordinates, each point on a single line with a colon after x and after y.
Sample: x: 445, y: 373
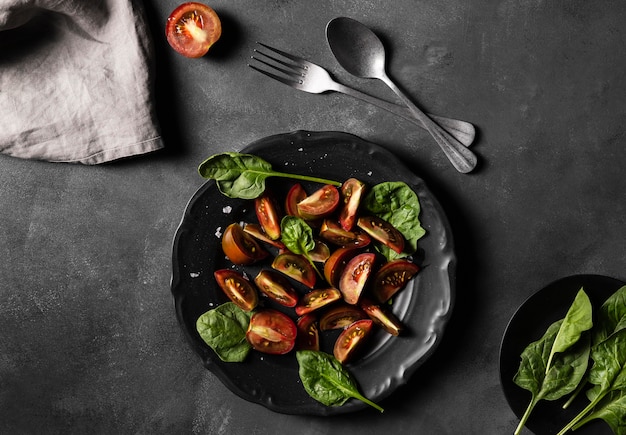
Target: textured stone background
x: 89, y: 342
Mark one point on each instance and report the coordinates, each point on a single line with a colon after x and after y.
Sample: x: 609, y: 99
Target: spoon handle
x: 462, y: 131
x: 461, y: 157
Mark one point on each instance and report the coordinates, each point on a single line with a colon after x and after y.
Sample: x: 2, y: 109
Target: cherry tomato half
x: 276, y: 287
x: 296, y: 267
x: 382, y: 231
x: 351, y: 339
x: 332, y: 232
x: 340, y: 316
x: 351, y: 193
x: 237, y: 288
x: 320, y: 204
x: 391, y: 278
x: 308, y: 333
x: 316, y: 299
x: 355, y: 275
x: 268, y: 214
x: 192, y: 28
x: 241, y: 248
x: 271, y: 331
x: 294, y: 196
x: 381, y: 317
x: 333, y: 267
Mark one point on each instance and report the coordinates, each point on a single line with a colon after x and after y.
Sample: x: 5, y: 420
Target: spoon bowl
x: 360, y: 52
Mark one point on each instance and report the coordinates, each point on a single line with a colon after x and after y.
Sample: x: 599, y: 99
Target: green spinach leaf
x: 224, y: 330
x: 326, y: 380
x: 297, y: 235
x: 243, y: 176
x: 611, y: 409
x: 396, y: 203
x: 611, y: 316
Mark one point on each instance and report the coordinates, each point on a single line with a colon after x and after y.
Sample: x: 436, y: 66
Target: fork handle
x: 462, y: 131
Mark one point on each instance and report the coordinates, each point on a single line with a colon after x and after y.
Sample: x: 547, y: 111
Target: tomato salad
x: 321, y: 258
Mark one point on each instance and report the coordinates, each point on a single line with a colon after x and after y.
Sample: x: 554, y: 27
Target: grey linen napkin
x: 75, y: 81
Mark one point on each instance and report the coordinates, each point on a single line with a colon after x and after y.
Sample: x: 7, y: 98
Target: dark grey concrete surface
x: 89, y: 342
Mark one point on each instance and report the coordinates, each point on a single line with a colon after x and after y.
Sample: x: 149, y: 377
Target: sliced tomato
x: 296, y: 267
x: 268, y: 214
x: 388, y: 321
x: 192, y: 28
x: 391, y: 278
x: 332, y: 232
x: 275, y: 286
x: 316, y: 299
x: 351, y: 193
x: 355, y: 275
x: 320, y: 204
x: 320, y: 253
x: 382, y: 231
x: 351, y: 339
x: 294, y: 196
x: 257, y: 232
x: 333, y: 267
x: 241, y: 248
x: 308, y: 333
x: 237, y: 288
x: 271, y: 331
x: 340, y: 316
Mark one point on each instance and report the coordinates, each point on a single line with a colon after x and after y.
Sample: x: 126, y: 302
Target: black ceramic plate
x: 424, y: 306
x: 529, y: 324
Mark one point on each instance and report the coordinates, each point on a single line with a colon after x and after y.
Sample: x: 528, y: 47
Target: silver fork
x: 309, y: 77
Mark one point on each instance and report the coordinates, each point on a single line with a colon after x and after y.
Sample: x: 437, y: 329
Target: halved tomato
x: 351, y: 339
x: 391, y: 278
x: 276, y: 287
x: 383, y: 318
x: 351, y: 193
x: 268, y: 214
x: 355, y: 275
x: 271, y: 331
x: 340, y: 316
x: 296, y: 267
x: 192, y: 28
x: 257, y: 232
x: 332, y: 232
x: 382, y: 231
x: 241, y: 248
x: 294, y: 196
x: 237, y: 288
x: 320, y: 204
x: 317, y: 299
x: 308, y: 333
x: 333, y: 267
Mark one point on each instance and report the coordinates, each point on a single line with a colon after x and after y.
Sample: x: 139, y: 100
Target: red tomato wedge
x: 277, y: 287
x: 351, y: 339
x: 240, y: 247
x: 382, y: 231
x: 296, y: 267
x: 320, y: 204
x: 192, y: 28
x: 355, y: 275
x: 272, y: 332
x: 308, y: 333
x: 268, y: 214
x: 257, y: 232
x: 294, y: 196
x: 316, y: 299
x: 332, y: 232
x: 351, y: 193
x: 333, y: 267
x: 381, y: 317
x: 237, y: 288
x: 391, y: 278
x: 340, y: 316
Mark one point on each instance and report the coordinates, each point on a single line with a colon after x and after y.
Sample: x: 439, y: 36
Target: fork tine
x: 290, y: 73
x: 285, y: 80
x: 302, y: 62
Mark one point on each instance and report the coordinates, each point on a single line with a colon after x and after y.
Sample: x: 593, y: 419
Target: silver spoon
x: 359, y: 51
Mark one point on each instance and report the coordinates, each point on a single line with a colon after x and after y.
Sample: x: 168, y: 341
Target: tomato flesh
x: 383, y: 318
x: 351, y: 339
x: 382, y: 231
x: 355, y: 275
x: 276, y: 287
x: 268, y: 215
x: 296, y: 267
x: 294, y: 196
x: 237, y: 288
x: 391, y: 278
x: 351, y: 193
x: 240, y: 247
x: 192, y: 28
x: 272, y: 332
x: 340, y: 316
x: 316, y: 299
x: 320, y: 204
x: 333, y: 233
x: 308, y: 333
